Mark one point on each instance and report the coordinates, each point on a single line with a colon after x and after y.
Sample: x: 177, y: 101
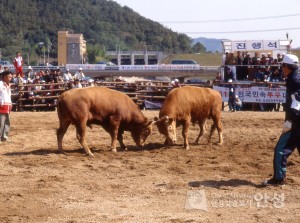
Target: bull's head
x: 142, y: 134
x: 167, y: 127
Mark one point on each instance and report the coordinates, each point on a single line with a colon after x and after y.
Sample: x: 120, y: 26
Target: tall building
x: 71, y: 48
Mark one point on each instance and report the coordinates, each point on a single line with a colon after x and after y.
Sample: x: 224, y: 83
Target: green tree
x: 198, y: 48
x: 93, y: 52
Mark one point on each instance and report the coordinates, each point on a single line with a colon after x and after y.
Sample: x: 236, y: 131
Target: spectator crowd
x: 260, y: 68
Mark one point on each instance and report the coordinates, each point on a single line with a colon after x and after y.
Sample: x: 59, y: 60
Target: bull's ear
x: 155, y: 119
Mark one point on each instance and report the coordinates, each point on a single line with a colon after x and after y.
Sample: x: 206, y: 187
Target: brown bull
x: 186, y: 105
x: 113, y: 110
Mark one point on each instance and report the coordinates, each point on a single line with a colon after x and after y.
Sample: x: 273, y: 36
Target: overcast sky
x: 220, y: 19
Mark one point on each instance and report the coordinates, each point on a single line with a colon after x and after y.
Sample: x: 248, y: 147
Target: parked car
x: 5, y: 63
x: 183, y: 62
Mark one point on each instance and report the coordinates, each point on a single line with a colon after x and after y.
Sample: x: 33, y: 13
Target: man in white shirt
x: 68, y: 76
x: 5, y: 105
x: 79, y: 75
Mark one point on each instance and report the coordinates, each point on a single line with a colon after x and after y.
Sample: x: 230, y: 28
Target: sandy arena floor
x: 208, y: 183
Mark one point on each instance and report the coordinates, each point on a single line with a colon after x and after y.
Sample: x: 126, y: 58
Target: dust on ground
x: 209, y: 183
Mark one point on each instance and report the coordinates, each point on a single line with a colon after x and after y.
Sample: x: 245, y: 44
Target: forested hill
x: 104, y: 24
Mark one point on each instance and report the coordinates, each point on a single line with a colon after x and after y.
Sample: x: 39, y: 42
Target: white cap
x: 290, y: 59
x: 176, y: 80
x: 68, y: 69
x: 29, y: 68
x: 80, y: 68
x: 229, y: 81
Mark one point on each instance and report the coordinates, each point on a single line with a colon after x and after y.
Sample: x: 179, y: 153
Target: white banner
x: 252, y: 45
x: 86, y: 66
x: 255, y: 94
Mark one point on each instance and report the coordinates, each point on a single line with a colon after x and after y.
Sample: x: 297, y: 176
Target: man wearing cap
x: 67, y: 76
x: 29, y: 75
x: 5, y: 105
x: 79, y: 75
x: 290, y: 138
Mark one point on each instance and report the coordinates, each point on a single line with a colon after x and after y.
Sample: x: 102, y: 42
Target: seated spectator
x: 276, y: 76
x: 175, y: 83
x: 218, y: 78
x: 268, y: 73
x: 259, y: 74
x: 29, y: 75
x: 79, y: 75
x: 67, y: 76
x: 77, y: 83
x: 228, y: 75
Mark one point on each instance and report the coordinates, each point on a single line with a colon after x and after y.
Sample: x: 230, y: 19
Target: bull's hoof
x: 62, y: 152
x: 187, y: 147
x: 114, y: 150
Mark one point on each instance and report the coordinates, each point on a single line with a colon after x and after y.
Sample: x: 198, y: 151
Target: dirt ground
x: 208, y: 183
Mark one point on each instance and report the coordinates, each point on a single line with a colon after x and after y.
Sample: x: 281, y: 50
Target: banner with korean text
x: 255, y: 94
x: 251, y: 45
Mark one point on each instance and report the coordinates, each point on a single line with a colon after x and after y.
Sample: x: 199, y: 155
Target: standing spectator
x: 279, y: 58
x: 231, y: 65
x: 79, y: 75
x: 246, y: 62
x: 5, y: 105
x: 238, y: 103
x: 269, y: 56
x: 231, y: 96
x: 239, y: 68
x: 290, y: 136
x: 255, y: 58
x: 18, y: 63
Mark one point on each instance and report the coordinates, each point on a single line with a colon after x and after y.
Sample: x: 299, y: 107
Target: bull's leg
x: 114, y: 129
x: 120, y: 139
x: 185, y: 131
x: 202, y: 124
x: 212, y: 130
x: 219, y: 126
x: 80, y: 134
x: 63, y: 127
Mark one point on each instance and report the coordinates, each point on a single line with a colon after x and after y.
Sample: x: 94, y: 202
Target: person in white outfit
x: 68, y: 76
x: 5, y: 105
x: 79, y: 75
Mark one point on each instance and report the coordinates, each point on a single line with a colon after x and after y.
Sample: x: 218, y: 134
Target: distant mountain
x: 211, y: 45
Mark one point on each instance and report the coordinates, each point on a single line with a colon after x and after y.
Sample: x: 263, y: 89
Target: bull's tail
x: 63, y: 122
